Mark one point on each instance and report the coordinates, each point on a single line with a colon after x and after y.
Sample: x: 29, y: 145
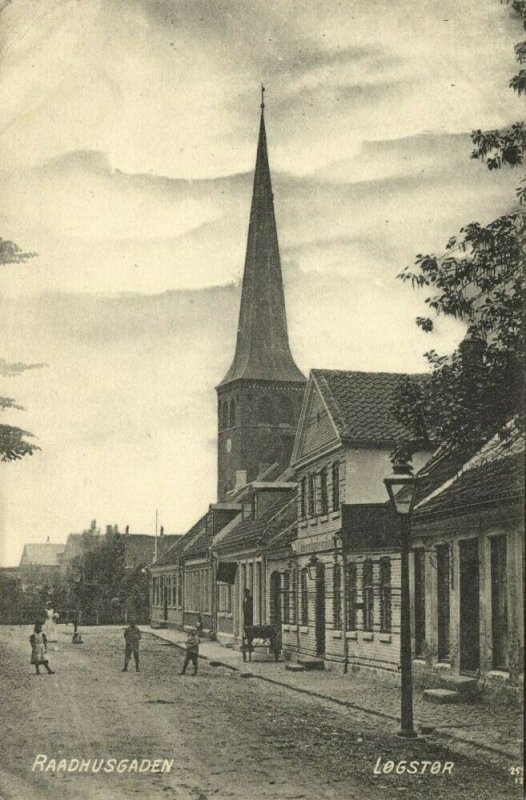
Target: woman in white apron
x: 38, y: 643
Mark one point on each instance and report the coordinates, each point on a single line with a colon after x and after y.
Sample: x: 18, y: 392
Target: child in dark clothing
x: 192, y: 651
x: 132, y: 637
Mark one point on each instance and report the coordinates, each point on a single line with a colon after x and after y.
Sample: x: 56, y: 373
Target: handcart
x: 265, y: 636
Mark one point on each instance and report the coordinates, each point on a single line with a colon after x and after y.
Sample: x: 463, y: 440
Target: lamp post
x: 401, y: 487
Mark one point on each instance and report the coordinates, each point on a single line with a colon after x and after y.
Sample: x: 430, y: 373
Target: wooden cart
x: 265, y: 636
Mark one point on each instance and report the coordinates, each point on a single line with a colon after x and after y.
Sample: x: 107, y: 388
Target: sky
x: 127, y: 145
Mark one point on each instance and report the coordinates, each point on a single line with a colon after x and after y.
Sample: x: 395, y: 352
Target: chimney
x: 162, y: 530
x: 109, y: 530
x: 472, y: 349
x: 241, y: 479
x: 127, y: 531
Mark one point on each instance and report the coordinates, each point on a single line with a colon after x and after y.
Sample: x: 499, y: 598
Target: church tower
x: 259, y: 399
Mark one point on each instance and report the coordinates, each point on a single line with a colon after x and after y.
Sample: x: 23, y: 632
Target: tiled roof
x: 172, y: 555
x: 488, y: 482
x: 202, y: 539
x: 139, y: 548
x: 360, y: 404
x: 45, y: 554
x: 249, y: 532
x: 493, y: 473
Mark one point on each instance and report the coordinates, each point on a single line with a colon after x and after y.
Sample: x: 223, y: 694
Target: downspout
x: 213, y: 597
x: 297, y: 610
x: 345, y: 612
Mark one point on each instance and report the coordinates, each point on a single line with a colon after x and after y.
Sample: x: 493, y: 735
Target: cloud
x: 8, y: 370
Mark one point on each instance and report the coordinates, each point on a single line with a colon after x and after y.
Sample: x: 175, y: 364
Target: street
x: 228, y: 736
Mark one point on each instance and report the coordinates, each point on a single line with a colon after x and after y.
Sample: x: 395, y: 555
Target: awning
x: 226, y: 572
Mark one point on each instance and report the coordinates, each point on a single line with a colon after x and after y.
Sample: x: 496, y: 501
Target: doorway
x: 275, y: 600
x: 469, y: 606
x: 320, y: 610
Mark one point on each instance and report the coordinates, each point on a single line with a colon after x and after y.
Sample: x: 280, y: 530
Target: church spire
x: 262, y: 347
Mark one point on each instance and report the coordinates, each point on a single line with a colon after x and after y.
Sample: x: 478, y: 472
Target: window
x: 368, y: 595
x: 324, y: 498
x: 286, y: 411
x: 265, y: 410
x: 312, y: 496
x: 224, y: 414
x: 420, y: 601
x: 286, y: 597
x: 224, y: 599
x: 499, y: 605
x: 337, y: 597
x: 303, y: 498
x: 351, y: 597
x: 385, y: 595
x: 336, y: 486
x: 304, y: 597
x: 180, y: 589
x: 293, y: 591
x: 232, y: 413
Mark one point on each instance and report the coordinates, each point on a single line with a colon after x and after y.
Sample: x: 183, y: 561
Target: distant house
x: 182, y: 588
x: 241, y: 551
x: 140, y: 548
x: 40, y: 563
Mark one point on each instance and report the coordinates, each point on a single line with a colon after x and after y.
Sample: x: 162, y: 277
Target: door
x: 320, y: 610
x: 275, y: 600
x: 469, y: 606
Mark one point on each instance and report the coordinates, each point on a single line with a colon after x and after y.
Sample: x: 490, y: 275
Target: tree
x: 13, y: 442
x: 480, y: 280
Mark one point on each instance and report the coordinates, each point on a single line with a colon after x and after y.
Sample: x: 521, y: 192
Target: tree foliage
x: 100, y: 586
x: 13, y: 440
x: 479, y: 280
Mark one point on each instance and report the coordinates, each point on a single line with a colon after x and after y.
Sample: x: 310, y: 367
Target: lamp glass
x: 401, y: 488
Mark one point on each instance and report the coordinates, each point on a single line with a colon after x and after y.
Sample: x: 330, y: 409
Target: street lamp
x: 401, y: 488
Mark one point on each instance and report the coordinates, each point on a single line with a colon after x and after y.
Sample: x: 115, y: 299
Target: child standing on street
x: 132, y: 637
x: 38, y: 643
x: 192, y: 650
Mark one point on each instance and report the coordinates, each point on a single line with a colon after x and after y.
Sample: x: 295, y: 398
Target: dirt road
x: 228, y: 736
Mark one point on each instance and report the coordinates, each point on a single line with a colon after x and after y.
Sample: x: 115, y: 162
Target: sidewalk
x: 487, y: 727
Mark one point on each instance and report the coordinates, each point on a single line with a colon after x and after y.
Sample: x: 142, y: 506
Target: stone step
x: 462, y: 684
x: 440, y: 696
x: 311, y: 663
x: 294, y: 667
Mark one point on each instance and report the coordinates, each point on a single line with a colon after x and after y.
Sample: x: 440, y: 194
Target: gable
x: 316, y: 429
